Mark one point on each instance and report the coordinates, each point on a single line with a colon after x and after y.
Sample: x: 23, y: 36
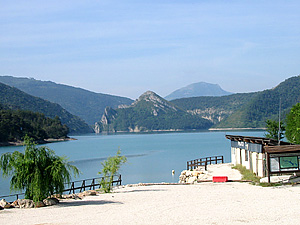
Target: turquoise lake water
x: 151, y: 157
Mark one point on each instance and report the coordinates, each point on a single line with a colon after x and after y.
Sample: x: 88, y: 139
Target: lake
x: 151, y: 157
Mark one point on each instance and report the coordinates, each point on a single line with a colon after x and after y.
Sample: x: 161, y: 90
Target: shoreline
x: 40, y: 142
x: 182, y: 131
x: 236, y: 129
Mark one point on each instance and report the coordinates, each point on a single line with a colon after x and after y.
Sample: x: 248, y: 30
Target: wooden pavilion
x: 264, y: 156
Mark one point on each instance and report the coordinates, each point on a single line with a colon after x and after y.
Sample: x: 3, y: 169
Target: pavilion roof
x: 257, y: 140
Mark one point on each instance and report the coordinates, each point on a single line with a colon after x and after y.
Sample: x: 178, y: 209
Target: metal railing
x: 193, y: 164
x: 87, y: 184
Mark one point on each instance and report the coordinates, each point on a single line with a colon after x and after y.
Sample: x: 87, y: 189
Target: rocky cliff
x: 149, y: 112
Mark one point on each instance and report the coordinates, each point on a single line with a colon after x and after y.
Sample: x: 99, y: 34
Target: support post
x: 268, y: 167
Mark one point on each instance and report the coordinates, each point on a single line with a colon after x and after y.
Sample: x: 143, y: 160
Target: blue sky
x: 128, y: 47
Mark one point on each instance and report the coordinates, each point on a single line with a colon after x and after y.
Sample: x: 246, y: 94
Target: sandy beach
x: 205, y: 203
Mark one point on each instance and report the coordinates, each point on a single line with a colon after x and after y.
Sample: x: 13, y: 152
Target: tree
x: 38, y: 170
x: 293, y: 125
x: 272, y: 129
x: 110, y: 168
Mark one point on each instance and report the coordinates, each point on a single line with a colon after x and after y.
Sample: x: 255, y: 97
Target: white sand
x: 205, y: 203
x: 223, y: 169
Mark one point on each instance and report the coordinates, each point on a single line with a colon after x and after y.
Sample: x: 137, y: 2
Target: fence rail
x: 193, y: 164
x: 87, y: 184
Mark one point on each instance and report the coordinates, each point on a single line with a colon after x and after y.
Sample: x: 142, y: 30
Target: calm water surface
x: 151, y: 157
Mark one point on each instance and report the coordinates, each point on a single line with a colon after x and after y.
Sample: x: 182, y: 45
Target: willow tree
x: 38, y: 171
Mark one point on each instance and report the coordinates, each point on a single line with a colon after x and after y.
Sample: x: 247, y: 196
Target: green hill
x: 15, y: 124
x: 247, y: 110
x: 14, y: 99
x: 149, y: 113
x: 265, y: 105
x: 87, y: 105
x: 215, y: 109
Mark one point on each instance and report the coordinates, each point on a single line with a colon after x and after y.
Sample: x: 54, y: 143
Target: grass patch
x: 249, y: 175
x: 269, y: 184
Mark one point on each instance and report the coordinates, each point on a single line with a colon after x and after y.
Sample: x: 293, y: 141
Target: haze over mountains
x: 196, y: 90
x: 245, y: 110
x: 152, y: 112
x: 83, y: 103
x: 14, y: 99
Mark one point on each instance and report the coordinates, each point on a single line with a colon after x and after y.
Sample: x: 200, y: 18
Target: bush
x: 110, y: 168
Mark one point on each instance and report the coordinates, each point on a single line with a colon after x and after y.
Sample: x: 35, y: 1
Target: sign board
x: 288, y: 162
x: 284, y: 162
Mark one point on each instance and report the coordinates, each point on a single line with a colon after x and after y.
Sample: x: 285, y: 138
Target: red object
x: 220, y: 179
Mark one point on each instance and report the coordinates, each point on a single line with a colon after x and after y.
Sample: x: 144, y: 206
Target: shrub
x: 110, y: 168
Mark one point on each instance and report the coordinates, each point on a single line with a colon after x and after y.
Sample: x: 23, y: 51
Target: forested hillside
x: 150, y: 113
x: 248, y: 110
x: 215, y: 109
x: 15, y: 124
x: 265, y: 105
x: 14, y: 99
x: 87, y: 105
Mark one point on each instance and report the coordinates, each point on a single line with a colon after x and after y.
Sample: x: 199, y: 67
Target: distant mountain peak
x: 157, y: 103
x: 149, y: 95
x: 197, y: 90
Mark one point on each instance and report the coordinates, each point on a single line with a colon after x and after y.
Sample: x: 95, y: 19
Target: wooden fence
x: 193, y: 164
x: 87, y: 184
x: 94, y: 182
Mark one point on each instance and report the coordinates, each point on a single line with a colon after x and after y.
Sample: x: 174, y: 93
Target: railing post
x: 93, y: 183
x: 72, y: 188
x: 120, y: 179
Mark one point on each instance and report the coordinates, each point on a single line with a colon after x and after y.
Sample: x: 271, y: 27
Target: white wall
x: 257, y: 160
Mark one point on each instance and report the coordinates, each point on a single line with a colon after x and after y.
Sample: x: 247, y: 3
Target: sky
x: 126, y: 47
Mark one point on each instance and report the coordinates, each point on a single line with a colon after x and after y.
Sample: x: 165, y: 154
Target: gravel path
x: 205, y: 203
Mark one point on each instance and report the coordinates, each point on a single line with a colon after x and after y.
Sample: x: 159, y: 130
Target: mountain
x: 149, y: 113
x: 85, y: 104
x: 215, y: 109
x: 247, y: 110
x: 196, y: 90
x: 265, y: 105
x: 13, y: 98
